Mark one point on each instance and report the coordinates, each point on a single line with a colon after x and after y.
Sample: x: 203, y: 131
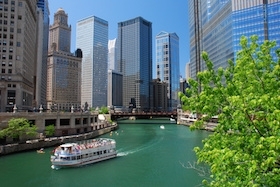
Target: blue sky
x: 165, y: 15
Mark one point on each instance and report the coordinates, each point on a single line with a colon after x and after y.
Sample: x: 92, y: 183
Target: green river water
x: 148, y: 156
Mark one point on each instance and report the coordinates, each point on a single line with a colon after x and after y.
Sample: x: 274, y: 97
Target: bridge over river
x: 143, y: 115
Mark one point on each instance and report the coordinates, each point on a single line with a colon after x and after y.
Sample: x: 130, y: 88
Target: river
x: 147, y: 156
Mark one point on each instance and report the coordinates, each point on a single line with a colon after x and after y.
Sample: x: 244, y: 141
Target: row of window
x: 5, y: 50
x: 5, y: 15
x: 10, y: 57
x: 7, y: 1
x: 11, y: 43
x: 4, y: 71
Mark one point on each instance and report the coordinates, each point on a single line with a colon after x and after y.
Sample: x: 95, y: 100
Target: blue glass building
x: 92, y: 39
x: 167, y: 62
x: 41, y: 89
x: 216, y: 27
x: 134, y: 61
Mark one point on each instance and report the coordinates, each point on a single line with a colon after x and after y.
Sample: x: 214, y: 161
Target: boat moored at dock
x: 84, y: 152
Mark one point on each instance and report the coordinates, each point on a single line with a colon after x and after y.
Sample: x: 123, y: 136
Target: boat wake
x: 125, y: 153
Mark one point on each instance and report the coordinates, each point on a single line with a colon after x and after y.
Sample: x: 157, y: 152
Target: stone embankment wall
x: 50, y: 142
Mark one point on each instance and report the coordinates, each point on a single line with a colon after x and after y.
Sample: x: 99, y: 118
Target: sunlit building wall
x: 112, y: 54
x: 63, y: 67
x: 92, y: 38
x: 18, y: 32
x: 167, y: 62
x: 216, y: 27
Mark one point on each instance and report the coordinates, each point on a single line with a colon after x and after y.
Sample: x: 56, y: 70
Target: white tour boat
x: 84, y: 152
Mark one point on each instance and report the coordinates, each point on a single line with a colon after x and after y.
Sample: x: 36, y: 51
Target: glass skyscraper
x: 41, y: 87
x: 167, y: 61
x: 216, y: 27
x: 134, y: 61
x: 92, y: 39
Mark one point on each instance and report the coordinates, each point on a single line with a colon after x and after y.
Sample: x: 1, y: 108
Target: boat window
x: 105, y: 151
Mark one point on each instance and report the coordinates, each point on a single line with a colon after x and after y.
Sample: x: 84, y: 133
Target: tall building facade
x: 92, y: 38
x: 216, y: 27
x: 63, y: 68
x: 160, y: 100
x: 167, y: 63
x: 134, y: 61
x: 115, y: 85
x: 112, y: 54
x: 18, y: 23
x: 42, y: 53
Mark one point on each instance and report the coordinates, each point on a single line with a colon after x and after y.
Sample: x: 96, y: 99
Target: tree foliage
x: 244, y: 150
x: 104, y: 110
x: 18, y: 127
x: 50, y: 130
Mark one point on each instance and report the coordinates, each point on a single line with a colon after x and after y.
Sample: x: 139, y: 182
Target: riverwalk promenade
x: 209, y: 126
x: 36, y: 144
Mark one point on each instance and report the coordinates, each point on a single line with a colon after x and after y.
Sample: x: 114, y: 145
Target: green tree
x: 244, y: 149
x: 104, y: 110
x: 18, y: 127
x: 50, y: 130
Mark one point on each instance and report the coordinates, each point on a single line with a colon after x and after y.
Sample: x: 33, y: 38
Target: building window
x: 10, y: 57
x: 10, y: 71
x: 3, y: 71
x: 18, y: 30
x: 18, y: 44
x: 20, y: 4
x: 10, y: 64
x: 18, y: 57
x: 11, y: 29
x: 11, y: 43
x: 19, y: 17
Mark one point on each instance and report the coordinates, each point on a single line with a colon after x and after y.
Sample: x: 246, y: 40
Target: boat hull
x: 62, y: 164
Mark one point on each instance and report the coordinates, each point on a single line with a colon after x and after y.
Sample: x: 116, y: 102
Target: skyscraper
x: 167, y: 62
x: 135, y: 61
x: 18, y: 32
x: 42, y: 52
x: 92, y: 38
x: 64, y: 68
x: 216, y: 27
x: 112, y: 54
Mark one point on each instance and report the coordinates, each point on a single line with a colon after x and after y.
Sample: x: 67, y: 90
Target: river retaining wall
x: 51, y: 142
